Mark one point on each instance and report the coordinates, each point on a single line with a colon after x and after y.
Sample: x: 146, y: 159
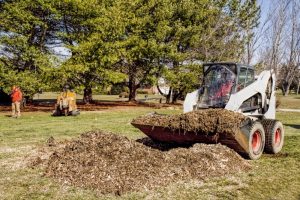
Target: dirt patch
x: 220, y: 121
x: 16, y: 158
x: 110, y: 163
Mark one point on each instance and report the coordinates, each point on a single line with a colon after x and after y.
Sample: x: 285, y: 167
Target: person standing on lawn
x: 16, y: 99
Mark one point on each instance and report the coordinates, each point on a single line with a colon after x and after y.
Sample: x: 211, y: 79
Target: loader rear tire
x: 274, y: 135
x: 256, y: 141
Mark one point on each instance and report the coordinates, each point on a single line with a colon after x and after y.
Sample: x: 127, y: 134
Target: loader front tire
x: 256, y: 141
x: 274, y: 135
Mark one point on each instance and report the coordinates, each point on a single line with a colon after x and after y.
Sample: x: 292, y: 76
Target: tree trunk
x: 287, y: 87
x: 27, y: 99
x: 176, y: 95
x: 87, y: 95
x: 298, y: 87
x: 132, y: 92
x: 284, y: 88
x: 286, y: 92
x: 132, y: 87
x: 169, y: 95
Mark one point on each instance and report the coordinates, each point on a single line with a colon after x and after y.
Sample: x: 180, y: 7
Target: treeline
x: 115, y: 41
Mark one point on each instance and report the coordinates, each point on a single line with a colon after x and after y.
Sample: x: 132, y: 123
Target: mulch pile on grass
x: 110, y: 163
x: 201, y: 121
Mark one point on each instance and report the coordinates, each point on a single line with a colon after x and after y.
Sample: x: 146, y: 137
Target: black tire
x: 256, y: 140
x: 274, y: 135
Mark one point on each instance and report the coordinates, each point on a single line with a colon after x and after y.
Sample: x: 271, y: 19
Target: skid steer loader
x: 233, y: 87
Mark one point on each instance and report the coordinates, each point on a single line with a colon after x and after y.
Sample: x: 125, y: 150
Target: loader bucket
x: 239, y: 141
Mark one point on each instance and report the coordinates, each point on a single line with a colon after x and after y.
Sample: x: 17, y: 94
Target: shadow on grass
x: 159, y: 145
x: 278, y: 155
x: 296, y: 126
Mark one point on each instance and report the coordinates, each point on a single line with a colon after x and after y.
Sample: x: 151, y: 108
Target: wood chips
x: 109, y: 163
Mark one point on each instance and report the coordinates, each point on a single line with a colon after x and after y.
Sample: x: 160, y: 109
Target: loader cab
x: 218, y: 84
x: 221, y: 80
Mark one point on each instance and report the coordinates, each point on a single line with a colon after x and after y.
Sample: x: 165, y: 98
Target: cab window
x: 250, y: 76
x: 246, y: 77
x: 242, y: 79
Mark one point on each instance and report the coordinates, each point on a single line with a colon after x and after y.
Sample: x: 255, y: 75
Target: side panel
x: 271, y: 113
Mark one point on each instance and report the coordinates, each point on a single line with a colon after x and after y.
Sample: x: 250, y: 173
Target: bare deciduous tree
x: 291, y: 62
x: 280, y: 46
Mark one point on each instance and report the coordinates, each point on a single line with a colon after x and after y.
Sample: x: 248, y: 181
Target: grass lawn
x: 272, y: 177
x: 290, y: 102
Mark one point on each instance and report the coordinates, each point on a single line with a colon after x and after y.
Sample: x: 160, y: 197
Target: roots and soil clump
x: 110, y: 163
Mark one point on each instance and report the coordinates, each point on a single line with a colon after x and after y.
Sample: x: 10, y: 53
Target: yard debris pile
x: 41, y: 155
x: 111, y: 163
x: 51, y: 141
x: 201, y: 121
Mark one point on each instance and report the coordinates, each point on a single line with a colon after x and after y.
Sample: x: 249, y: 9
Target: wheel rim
x: 256, y: 142
x: 277, y: 137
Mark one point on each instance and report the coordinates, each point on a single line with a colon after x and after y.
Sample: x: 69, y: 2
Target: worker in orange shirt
x: 16, y: 99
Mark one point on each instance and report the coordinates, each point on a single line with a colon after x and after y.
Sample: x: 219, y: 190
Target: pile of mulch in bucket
x: 201, y: 121
x: 110, y: 163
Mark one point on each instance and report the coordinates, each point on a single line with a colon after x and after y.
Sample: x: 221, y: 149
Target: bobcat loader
x: 233, y: 87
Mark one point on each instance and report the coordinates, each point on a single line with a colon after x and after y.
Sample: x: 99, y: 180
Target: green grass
x: 272, y: 177
x: 289, y: 102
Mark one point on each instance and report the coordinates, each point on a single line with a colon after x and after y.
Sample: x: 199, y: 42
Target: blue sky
x: 265, y: 6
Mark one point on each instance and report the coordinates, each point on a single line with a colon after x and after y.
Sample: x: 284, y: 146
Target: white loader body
x: 259, y: 86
